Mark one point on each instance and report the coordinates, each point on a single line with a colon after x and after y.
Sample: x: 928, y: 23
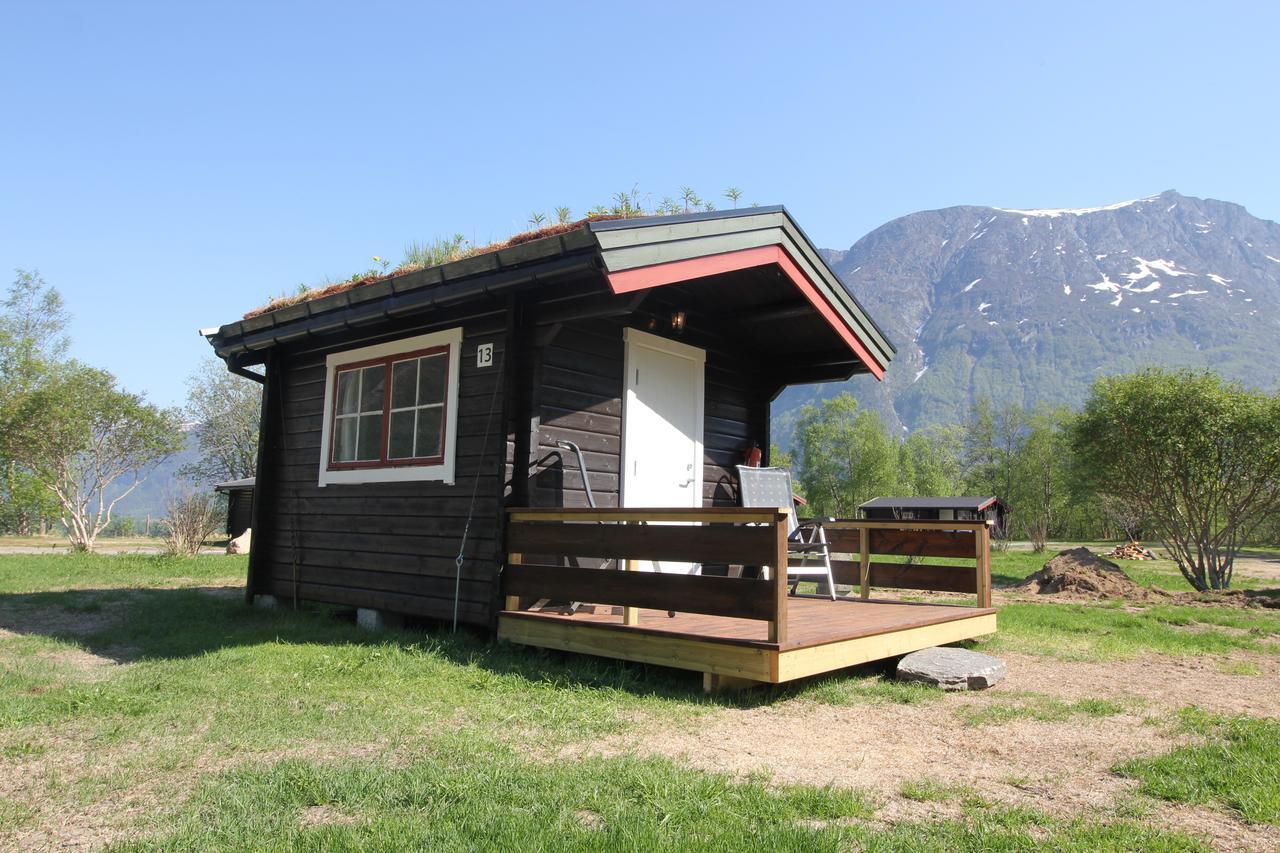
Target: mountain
x: 1033, y: 305
x: 152, y: 496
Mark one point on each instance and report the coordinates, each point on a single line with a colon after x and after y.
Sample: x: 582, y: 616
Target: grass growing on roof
x: 1235, y: 766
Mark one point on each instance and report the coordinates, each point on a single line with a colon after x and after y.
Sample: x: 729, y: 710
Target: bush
x: 189, y: 520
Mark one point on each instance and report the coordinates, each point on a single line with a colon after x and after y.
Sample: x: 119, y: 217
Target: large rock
x: 240, y: 545
x: 952, y: 669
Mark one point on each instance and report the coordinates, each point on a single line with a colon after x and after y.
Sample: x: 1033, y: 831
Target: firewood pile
x: 1131, y: 551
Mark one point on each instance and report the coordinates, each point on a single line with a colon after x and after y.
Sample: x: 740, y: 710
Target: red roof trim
x: 643, y: 278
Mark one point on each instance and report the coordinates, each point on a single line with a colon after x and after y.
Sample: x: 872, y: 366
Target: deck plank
x: 810, y: 621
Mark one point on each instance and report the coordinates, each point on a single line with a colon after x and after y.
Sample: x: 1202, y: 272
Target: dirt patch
x: 325, y: 815
x: 1058, y: 766
x: 1259, y: 565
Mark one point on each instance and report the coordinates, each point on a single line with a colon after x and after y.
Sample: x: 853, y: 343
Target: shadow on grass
x: 133, y: 625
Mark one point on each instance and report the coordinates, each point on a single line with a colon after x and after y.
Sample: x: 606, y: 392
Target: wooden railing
x: 538, y: 540
x: 866, y: 539
x: 541, y: 541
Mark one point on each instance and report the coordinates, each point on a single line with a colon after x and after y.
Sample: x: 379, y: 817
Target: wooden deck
x: 823, y: 635
x: 735, y: 629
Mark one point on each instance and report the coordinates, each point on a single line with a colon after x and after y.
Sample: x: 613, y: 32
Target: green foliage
x: 991, y: 442
x: 226, y: 407
x: 33, y: 341
x: 1193, y: 455
x: 845, y: 456
x: 88, y: 442
x: 929, y: 462
x: 1235, y: 766
x: 121, y: 526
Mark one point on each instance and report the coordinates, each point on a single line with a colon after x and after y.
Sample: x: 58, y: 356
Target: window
x: 390, y: 411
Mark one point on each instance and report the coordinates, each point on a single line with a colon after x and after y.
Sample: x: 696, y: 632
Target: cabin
x: 557, y: 419
x: 990, y: 509
x: 239, y: 505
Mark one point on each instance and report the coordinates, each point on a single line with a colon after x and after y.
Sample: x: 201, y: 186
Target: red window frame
x: 383, y: 461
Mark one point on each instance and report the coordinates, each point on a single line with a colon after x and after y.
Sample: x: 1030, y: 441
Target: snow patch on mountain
x: 1054, y: 213
x: 1148, y: 269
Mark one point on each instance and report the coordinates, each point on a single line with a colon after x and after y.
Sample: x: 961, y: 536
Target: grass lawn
x: 141, y: 691
x: 1236, y: 765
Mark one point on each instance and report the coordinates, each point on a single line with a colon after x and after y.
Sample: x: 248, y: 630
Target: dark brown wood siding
x: 239, y: 511
x: 385, y: 545
x: 579, y: 399
x: 580, y: 388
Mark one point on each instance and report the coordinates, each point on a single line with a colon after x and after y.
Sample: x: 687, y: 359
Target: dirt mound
x: 1080, y: 573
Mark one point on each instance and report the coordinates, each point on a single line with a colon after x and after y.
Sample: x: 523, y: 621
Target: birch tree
x: 88, y: 443
x: 227, y: 408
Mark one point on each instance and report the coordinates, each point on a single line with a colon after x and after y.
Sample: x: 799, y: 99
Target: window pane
x: 369, y: 445
x: 371, y: 388
x: 429, y: 432
x: 431, y: 376
x: 348, y: 391
x: 404, y: 382
x: 344, y: 440
x: 401, y: 440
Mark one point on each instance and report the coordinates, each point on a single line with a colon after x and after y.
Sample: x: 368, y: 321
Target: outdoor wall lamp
x: 677, y: 321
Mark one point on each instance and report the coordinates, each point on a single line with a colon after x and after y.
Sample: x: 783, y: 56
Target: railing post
x: 982, y: 537
x: 630, y: 615
x: 513, y: 601
x: 778, y: 627
x: 864, y: 563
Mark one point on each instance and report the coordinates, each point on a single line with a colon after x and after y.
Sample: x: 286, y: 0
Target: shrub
x: 189, y: 520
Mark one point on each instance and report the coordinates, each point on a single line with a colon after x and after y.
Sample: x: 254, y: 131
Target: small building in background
x: 991, y: 509
x: 239, y: 505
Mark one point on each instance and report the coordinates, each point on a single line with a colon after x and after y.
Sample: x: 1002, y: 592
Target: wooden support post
x: 713, y: 683
x: 982, y: 537
x: 778, y: 627
x: 630, y: 615
x: 513, y: 601
x: 864, y: 563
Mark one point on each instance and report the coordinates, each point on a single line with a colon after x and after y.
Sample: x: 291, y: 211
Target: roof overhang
x: 640, y: 254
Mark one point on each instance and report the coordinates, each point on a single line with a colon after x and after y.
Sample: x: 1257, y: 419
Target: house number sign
x: 484, y: 355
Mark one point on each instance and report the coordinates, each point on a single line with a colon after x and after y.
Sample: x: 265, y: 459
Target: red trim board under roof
x: 643, y: 278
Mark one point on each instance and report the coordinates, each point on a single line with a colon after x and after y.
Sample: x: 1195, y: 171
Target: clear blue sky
x: 168, y: 166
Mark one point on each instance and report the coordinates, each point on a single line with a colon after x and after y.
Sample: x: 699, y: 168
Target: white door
x: 662, y: 427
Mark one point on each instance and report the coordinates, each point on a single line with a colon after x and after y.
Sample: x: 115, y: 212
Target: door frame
x: 636, y: 338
